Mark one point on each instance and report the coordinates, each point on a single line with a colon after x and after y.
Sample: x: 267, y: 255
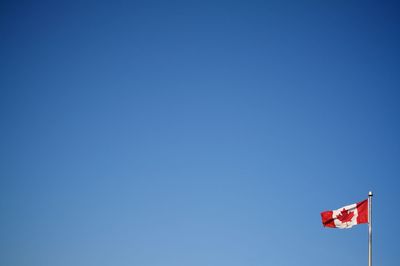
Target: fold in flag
x: 347, y: 216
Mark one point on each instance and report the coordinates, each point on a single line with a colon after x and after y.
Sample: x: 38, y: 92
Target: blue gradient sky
x: 176, y: 133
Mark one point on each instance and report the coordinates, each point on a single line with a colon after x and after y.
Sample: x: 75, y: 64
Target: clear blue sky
x: 195, y: 133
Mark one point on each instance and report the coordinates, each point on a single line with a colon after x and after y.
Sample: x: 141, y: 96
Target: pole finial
x: 370, y: 193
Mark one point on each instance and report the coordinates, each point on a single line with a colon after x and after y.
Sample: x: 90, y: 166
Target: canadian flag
x: 347, y: 216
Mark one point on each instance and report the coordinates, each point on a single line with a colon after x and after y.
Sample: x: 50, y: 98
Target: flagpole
x: 370, y: 228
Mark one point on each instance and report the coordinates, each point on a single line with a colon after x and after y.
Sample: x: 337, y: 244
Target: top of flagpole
x: 370, y: 193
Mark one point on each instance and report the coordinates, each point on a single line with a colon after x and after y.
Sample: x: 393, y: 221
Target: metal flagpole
x: 370, y: 228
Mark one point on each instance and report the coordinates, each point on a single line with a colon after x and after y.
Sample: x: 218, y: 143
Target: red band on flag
x: 362, y: 208
x: 327, y: 220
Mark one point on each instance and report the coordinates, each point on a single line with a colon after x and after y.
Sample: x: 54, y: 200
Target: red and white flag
x: 347, y: 216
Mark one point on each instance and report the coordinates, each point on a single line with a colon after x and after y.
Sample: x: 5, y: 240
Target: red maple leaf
x: 345, y: 216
